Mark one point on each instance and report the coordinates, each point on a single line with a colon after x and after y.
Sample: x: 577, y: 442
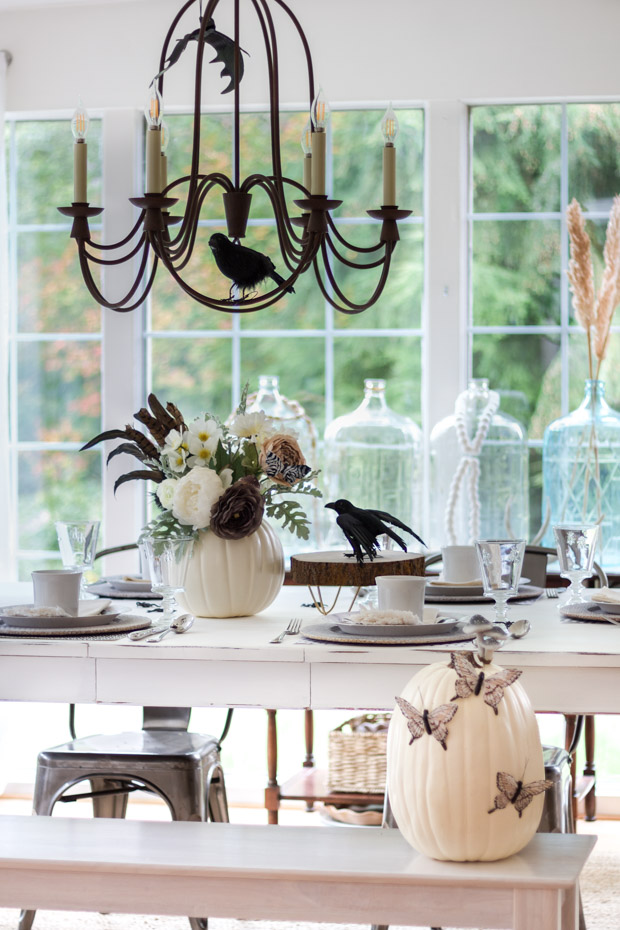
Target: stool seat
x: 151, y: 748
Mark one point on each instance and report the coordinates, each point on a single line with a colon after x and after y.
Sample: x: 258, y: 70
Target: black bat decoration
x: 223, y: 45
x: 245, y: 267
x: 288, y: 473
x: 362, y: 527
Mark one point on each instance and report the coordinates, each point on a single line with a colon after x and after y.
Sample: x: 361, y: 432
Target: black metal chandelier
x: 309, y: 238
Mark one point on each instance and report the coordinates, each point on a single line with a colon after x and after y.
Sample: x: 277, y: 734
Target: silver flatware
x: 148, y: 631
x: 180, y: 624
x: 552, y: 592
x: 293, y: 628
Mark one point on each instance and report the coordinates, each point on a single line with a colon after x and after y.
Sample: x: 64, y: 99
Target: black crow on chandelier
x: 245, y: 267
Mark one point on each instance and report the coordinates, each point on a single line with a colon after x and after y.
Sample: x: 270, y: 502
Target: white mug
x: 460, y: 563
x: 402, y: 592
x: 57, y: 587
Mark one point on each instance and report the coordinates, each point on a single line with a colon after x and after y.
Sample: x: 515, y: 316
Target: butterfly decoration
x: 472, y: 680
x: 434, y: 722
x: 516, y: 793
x: 275, y: 467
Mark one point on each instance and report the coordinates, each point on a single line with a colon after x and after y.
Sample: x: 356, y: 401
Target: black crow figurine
x: 362, y: 527
x: 245, y: 267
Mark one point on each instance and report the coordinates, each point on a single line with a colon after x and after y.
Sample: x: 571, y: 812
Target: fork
x: 552, y: 592
x: 292, y: 629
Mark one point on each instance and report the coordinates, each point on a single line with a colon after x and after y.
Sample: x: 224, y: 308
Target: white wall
x: 401, y: 49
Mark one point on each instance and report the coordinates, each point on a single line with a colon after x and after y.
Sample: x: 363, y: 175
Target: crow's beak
x: 331, y: 506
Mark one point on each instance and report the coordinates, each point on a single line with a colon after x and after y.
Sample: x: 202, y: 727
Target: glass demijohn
x: 581, y: 471
x: 373, y: 457
x: 498, y: 443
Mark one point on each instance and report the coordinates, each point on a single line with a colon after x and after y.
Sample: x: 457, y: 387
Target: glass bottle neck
x: 594, y: 396
x: 374, y: 396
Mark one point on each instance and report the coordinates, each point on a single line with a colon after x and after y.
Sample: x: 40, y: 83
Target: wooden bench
x: 338, y: 874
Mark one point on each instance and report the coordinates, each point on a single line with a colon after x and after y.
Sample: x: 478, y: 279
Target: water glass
x: 168, y: 560
x: 77, y: 541
x: 576, y: 545
x: 500, y: 562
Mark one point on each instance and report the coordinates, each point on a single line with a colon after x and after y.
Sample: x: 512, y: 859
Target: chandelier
x: 308, y: 238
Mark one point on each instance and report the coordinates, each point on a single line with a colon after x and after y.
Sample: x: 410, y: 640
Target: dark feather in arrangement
x: 159, y: 421
x: 225, y: 53
x: 363, y: 527
x: 245, y: 267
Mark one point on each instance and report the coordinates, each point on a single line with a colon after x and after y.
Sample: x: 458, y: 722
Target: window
x: 527, y: 163
x: 55, y: 344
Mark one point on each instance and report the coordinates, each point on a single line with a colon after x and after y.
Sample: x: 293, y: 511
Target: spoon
x: 179, y: 624
x: 519, y: 629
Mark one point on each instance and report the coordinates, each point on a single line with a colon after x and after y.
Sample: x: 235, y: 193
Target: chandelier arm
x: 279, y: 206
x: 349, y: 307
x: 346, y: 261
x: 271, y: 50
x: 345, y: 242
x: 121, y: 242
x: 116, y: 261
x: 211, y: 5
x: 164, y: 48
x: 304, y: 42
x: 290, y: 254
x: 184, y: 241
x: 118, y: 305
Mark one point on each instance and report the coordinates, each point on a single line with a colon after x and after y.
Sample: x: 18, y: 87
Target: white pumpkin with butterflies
x: 465, y: 767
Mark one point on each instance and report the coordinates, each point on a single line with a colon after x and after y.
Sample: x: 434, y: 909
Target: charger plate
x: 527, y: 592
x: 116, y: 627
x: 52, y: 622
x: 591, y: 612
x: 331, y: 633
x: 104, y: 589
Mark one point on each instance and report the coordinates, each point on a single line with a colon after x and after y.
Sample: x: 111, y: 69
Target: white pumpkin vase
x: 233, y: 577
x: 442, y: 798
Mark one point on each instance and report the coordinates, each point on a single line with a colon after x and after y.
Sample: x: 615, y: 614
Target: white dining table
x: 567, y: 667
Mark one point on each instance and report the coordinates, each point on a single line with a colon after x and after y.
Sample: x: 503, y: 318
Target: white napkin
x: 93, y: 608
x: 606, y: 595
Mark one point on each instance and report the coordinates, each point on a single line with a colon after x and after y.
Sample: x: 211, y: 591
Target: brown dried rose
x: 282, y: 460
x: 239, y: 511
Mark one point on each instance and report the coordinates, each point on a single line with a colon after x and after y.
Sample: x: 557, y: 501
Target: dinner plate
x: 464, y: 589
x: 526, y: 592
x: 349, y: 624
x: 141, y: 585
x: 50, y: 623
x: 607, y: 607
x: 104, y: 588
x: 328, y: 632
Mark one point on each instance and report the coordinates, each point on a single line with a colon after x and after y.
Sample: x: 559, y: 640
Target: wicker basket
x: 357, y: 755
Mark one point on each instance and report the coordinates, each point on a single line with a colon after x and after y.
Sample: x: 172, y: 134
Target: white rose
x: 165, y: 492
x: 194, y: 496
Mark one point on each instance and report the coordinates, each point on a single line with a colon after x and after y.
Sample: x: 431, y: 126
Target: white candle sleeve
x: 389, y: 176
x: 318, y: 163
x: 80, y: 172
x: 153, y: 161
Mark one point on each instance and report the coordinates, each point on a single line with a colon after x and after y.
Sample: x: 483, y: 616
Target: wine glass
x: 576, y: 545
x: 77, y: 541
x: 500, y: 561
x: 168, y: 560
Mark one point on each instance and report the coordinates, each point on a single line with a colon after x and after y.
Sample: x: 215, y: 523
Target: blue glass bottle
x: 581, y: 471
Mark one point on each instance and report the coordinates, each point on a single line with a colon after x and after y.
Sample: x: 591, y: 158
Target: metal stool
x: 182, y: 768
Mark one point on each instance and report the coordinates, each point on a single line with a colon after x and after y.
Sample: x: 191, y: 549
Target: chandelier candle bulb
x: 317, y: 161
x: 79, y: 128
x: 389, y: 175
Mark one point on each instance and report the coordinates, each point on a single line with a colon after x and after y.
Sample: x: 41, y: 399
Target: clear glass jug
x: 581, y: 472
x: 479, y: 472
x: 373, y: 457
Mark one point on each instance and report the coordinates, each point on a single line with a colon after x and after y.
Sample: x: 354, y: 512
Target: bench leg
x: 542, y: 910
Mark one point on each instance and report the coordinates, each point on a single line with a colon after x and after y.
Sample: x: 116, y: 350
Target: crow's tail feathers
x: 280, y: 280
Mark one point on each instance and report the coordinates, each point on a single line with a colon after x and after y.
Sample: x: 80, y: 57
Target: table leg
x: 272, y: 791
x: 541, y: 910
x: 309, y: 760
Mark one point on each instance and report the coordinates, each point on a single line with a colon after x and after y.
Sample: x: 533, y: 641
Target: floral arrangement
x: 594, y: 312
x: 216, y: 476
